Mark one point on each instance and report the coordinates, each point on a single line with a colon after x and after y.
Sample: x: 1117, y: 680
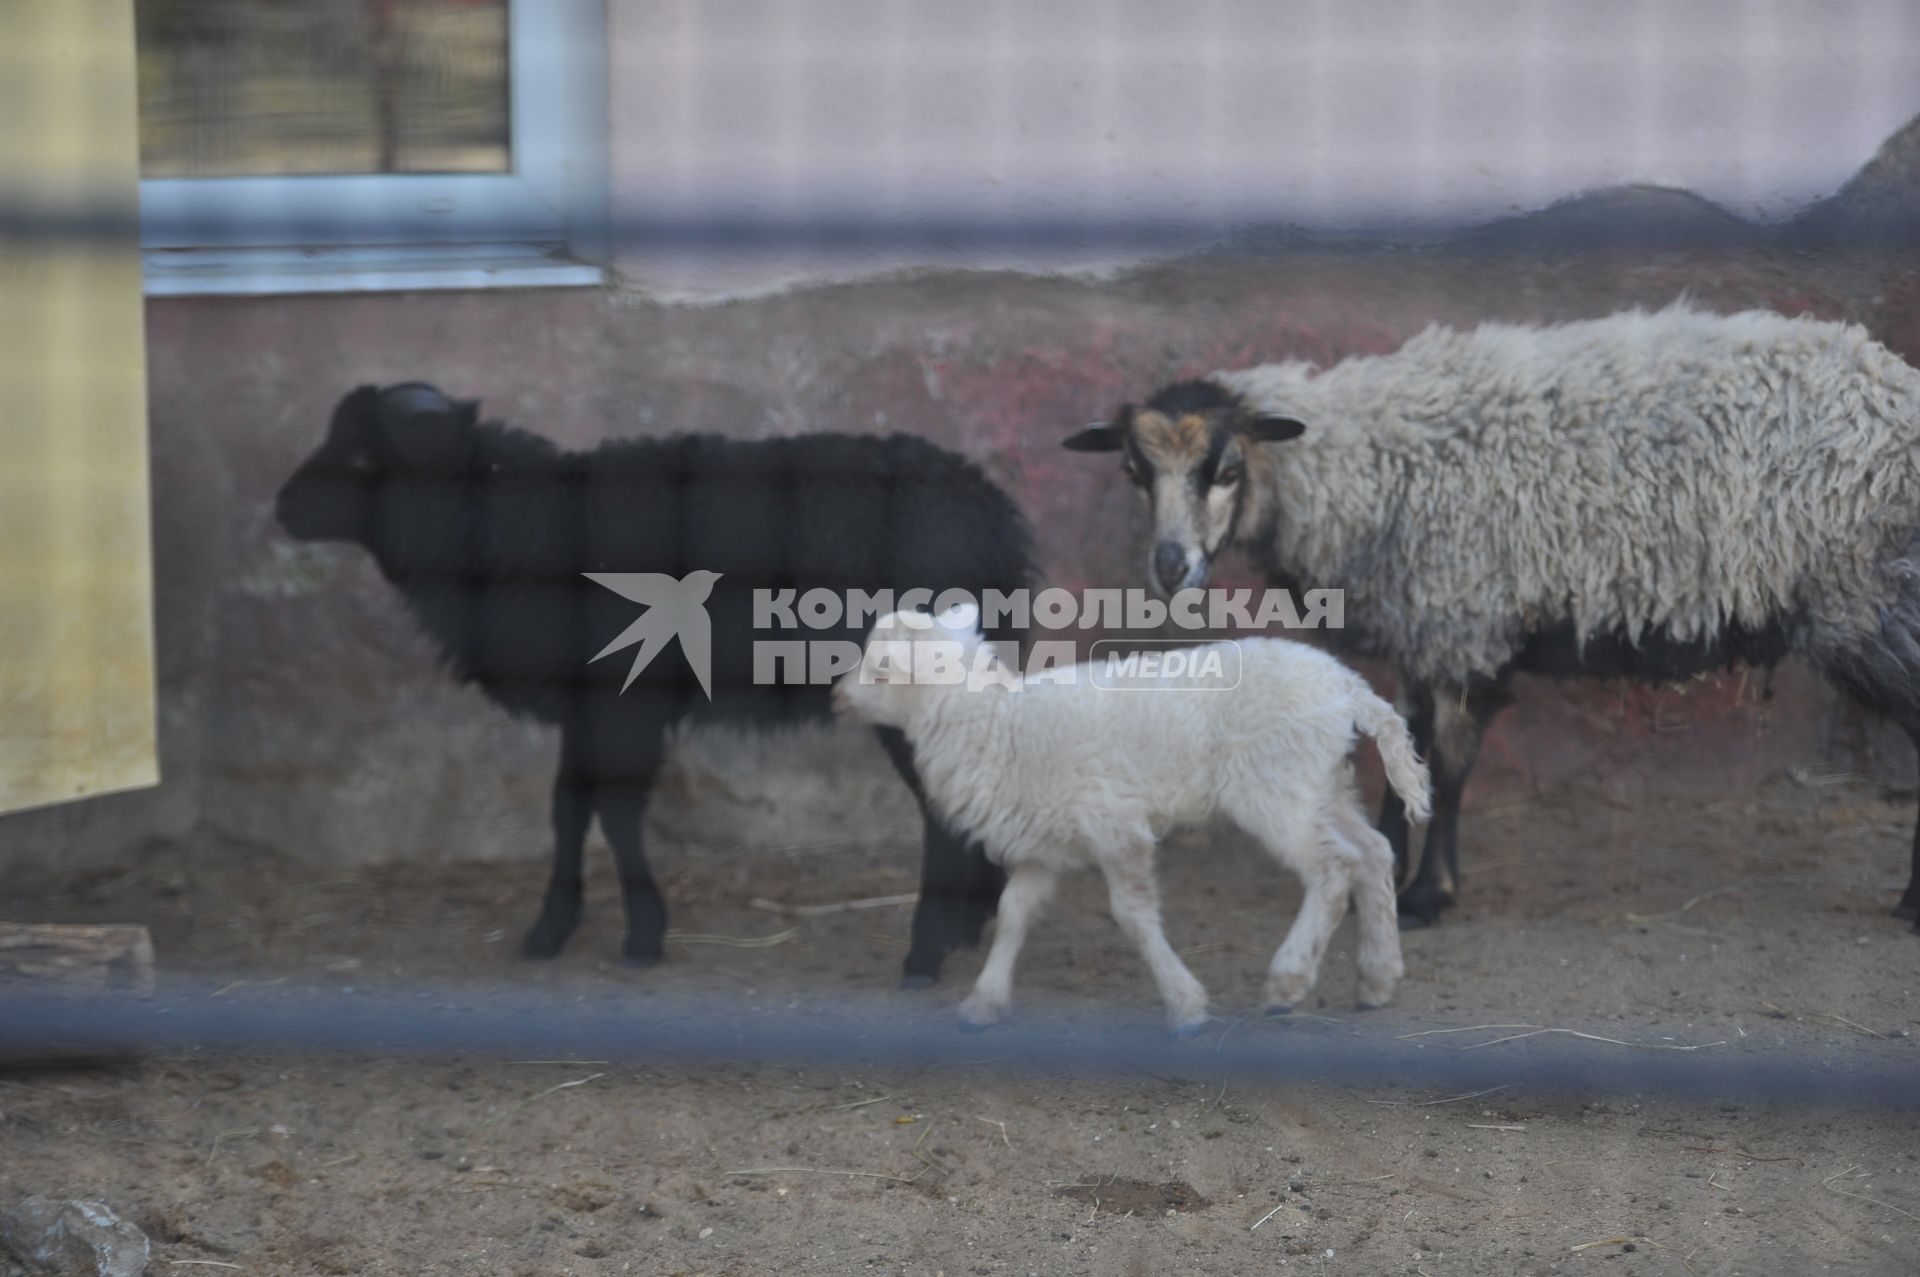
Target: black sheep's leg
x: 985, y: 881
x: 954, y: 878
x: 1460, y: 718
x: 1909, y: 906
x: 628, y: 764
x: 572, y: 813
x: 948, y: 913
x: 1417, y: 705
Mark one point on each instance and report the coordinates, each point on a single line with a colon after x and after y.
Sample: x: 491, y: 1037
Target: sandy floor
x: 1759, y: 923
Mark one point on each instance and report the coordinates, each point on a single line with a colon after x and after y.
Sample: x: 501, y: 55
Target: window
x: 346, y: 144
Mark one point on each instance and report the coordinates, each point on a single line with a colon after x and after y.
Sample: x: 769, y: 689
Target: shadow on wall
x: 302, y: 715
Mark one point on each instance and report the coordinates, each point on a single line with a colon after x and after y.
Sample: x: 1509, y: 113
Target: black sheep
x: 487, y: 531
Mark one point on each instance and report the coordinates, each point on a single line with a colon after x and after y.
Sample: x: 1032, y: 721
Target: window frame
x: 197, y: 232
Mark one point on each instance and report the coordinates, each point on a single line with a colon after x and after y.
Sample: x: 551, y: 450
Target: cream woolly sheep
x: 1052, y: 772
x: 1647, y: 495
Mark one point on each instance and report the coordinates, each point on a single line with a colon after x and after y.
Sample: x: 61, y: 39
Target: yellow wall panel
x: 76, y: 592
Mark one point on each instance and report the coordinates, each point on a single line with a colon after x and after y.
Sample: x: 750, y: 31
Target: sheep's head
x: 1187, y: 450
x: 386, y: 449
x: 912, y: 656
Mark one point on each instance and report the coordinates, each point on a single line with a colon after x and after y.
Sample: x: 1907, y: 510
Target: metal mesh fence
x: 472, y: 1023
x: 1096, y: 129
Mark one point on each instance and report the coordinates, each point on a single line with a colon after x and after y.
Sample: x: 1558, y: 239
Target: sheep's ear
x: 466, y: 411
x: 1101, y: 436
x: 356, y: 418
x: 962, y: 618
x: 1272, y: 428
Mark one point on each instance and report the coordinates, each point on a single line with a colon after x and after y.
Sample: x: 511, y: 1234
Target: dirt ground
x: 1755, y: 922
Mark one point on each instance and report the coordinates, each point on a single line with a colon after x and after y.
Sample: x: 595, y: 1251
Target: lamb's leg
x: 959, y: 885
x: 1909, y: 906
x: 1381, y: 966
x: 1328, y: 879
x: 572, y: 812
x: 628, y: 760
x: 1306, y: 844
x: 1134, y: 896
x: 1460, y: 719
x: 1027, y: 889
x: 1416, y: 704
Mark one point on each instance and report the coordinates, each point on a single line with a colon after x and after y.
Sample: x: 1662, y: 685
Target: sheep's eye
x: 359, y: 461
x: 1132, y: 471
x: 1226, y: 476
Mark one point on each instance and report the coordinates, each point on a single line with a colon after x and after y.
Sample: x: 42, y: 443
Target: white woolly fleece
x: 1054, y: 773
x: 1672, y: 470
x: 1060, y: 768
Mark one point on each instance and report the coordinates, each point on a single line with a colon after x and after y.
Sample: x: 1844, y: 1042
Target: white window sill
x: 259, y: 272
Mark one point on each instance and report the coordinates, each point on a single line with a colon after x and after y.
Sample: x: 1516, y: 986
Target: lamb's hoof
x: 913, y: 981
x: 1275, y: 1012
x: 977, y: 1013
x: 641, y: 957
x: 1374, y: 994
x: 1181, y: 1032
x: 1911, y: 912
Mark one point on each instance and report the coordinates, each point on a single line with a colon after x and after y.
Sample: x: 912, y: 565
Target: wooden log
x: 44, y: 958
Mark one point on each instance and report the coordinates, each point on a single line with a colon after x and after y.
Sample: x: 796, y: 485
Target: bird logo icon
x: 676, y: 607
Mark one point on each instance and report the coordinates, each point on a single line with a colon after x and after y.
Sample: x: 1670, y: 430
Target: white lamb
x: 1051, y: 772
